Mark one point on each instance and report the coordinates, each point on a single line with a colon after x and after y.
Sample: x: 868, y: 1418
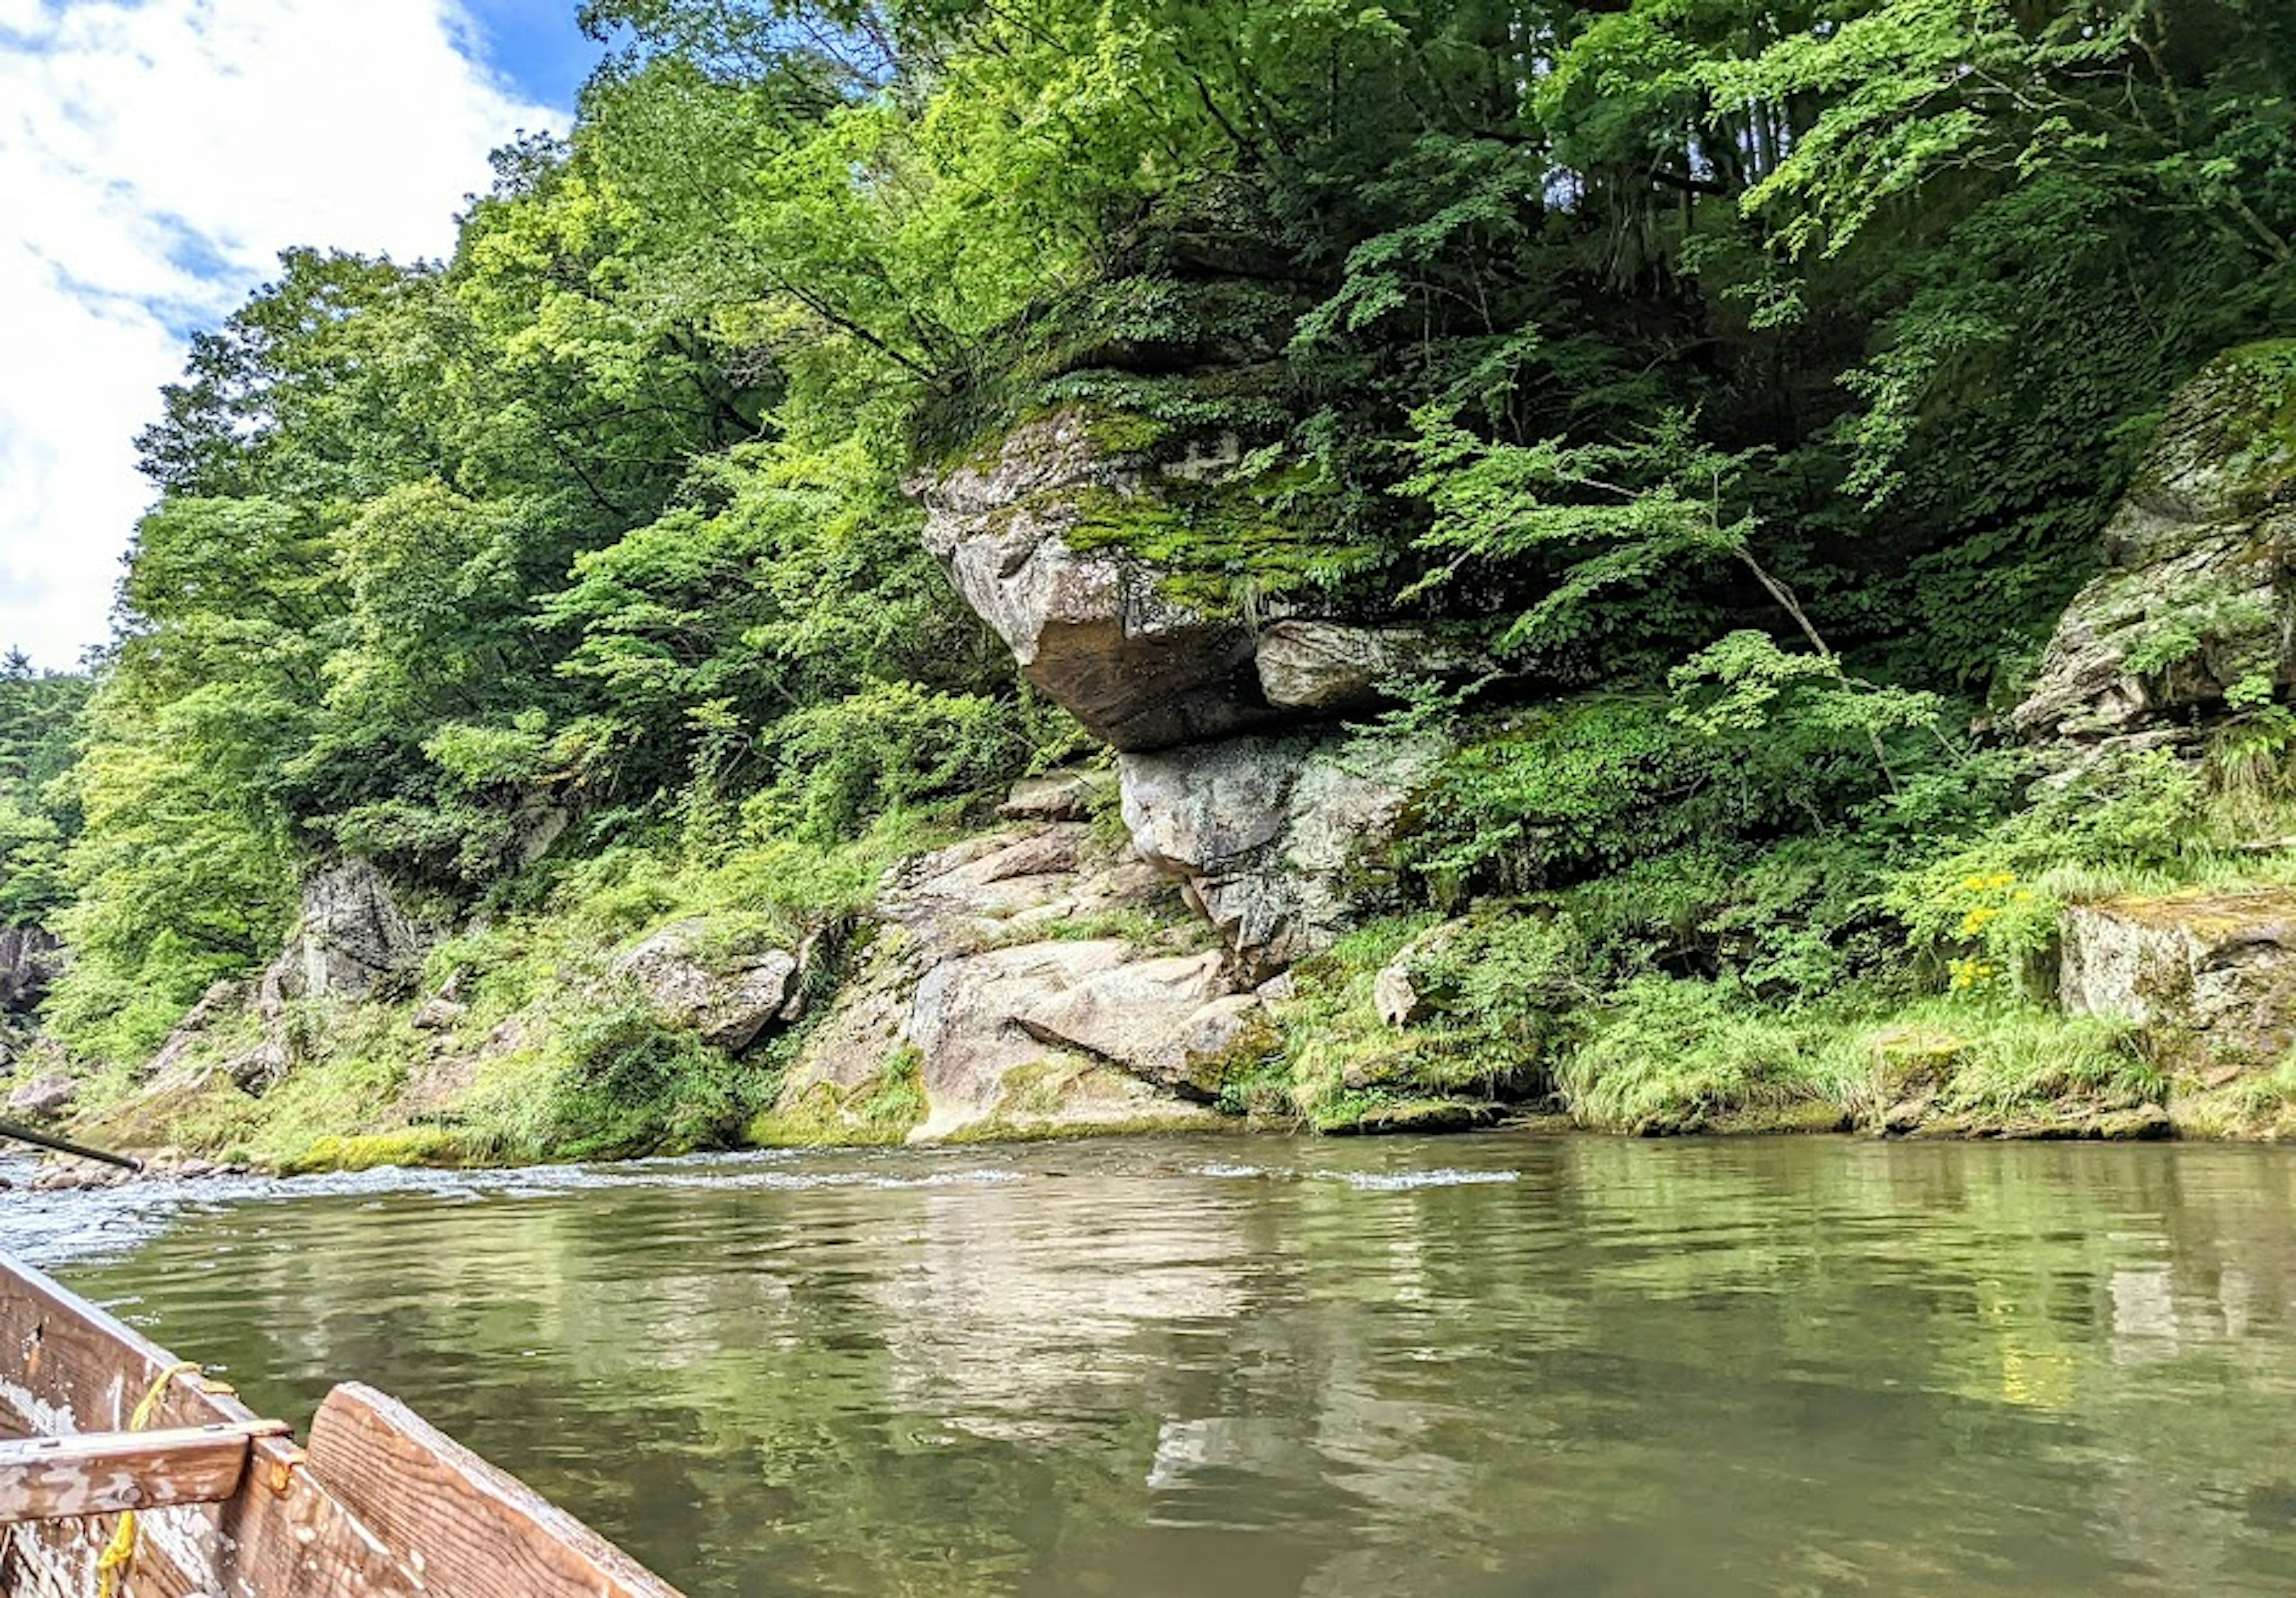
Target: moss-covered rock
x: 1036, y: 982
x: 2195, y: 610
x: 2209, y: 977
x: 1280, y: 841
x: 1038, y: 537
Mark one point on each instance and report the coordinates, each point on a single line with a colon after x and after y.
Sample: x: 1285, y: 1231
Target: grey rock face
x: 2196, y: 601
x: 1013, y: 1024
x: 43, y: 1098
x: 1275, y: 840
x: 1267, y: 830
x: 730, y: 1000
x: 1161, y: 1020
x: 1057, y: 795
x: 1089, y: 627
x: 221, y: 1001
x: 2211, y: 978
x: 352, y: 938
x: 27, y: 961
x: 1329, y: 667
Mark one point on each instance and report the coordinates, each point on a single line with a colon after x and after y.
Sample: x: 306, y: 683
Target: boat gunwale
x: 288, y: 1531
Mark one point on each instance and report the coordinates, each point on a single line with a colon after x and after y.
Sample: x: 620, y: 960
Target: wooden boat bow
x: 381, y: 1504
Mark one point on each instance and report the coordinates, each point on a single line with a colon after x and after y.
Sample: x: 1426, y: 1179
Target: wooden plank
x: 104, y: 1473
x: 470, y: 1529
x: 67, y: 1367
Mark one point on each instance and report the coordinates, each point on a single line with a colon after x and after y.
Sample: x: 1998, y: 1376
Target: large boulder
x: 43, y: 1098
x: 730, y: 996
x: 2211, y: 978
x: 1092, y: 628
x: 1057, y: 795
x: 1168, y: 1021
x: 221, y: 1003
x: 2195, y: 609
x: 28, y: 962
x: 351, y: 939
x: 1277, y: 840
x: 1021, y: 978
x: 1330, y: 668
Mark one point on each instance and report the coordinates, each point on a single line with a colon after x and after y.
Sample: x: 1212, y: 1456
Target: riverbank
x: 1032, y: 978
x: 1303, y: 885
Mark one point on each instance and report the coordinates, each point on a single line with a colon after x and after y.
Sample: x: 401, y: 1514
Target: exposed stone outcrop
x: 1010, y: 969
x: 1090, y: 628
x: 351, y: 939
x: 43, y: 1098
x: 220, y: 1002
x: 28, y: 962
x: 1275, y: 839
x: 1162, y: 1020
x: 1330, y: 668
x: 2196, y: 603
x: 1236, y: 777
x: 729, y: 996
x: 1057, y: 795
x: 2211, y: 978
x: 1327, y: 666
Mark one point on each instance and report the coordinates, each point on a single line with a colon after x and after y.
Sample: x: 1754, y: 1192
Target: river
x: 1247, y: 1368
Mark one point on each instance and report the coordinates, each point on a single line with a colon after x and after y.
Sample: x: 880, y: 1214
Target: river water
x: 1237, y: 1368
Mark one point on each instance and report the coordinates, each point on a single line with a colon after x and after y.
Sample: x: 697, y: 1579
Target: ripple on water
x: 1396, y: 1181
x: 52, y: 1229
x: 1213, y: 1369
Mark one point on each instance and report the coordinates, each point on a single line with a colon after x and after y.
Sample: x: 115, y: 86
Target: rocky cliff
x: 1092, y: 545
x: 1114, y: 951
x: 28, y: 958
x: 2194, y: 614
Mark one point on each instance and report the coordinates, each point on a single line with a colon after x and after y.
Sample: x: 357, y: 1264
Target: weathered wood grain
x: 66, y: 1368
x: 468, y: 1527
x: 104, y: 1473
x: 384, y: 1506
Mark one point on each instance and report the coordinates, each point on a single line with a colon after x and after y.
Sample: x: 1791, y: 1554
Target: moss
x: 883, y: 1110
x: 1220, y: 548
x: 2212, y: 915
x: 2261, y: 1106
x: 1006, y: 1128
x: 1361, y: 1114
x: 2266, y: 425
x: 434, y: 1146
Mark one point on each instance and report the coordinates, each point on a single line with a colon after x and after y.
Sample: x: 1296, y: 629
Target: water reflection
x: 1498, y: 1365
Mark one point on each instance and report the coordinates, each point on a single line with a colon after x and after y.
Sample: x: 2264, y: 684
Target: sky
x: 155, y: 157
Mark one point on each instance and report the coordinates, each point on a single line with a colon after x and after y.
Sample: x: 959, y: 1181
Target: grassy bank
x: 1897, y: 979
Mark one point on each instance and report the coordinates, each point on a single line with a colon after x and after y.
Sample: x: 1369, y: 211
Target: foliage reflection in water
x: 1225, y: 1369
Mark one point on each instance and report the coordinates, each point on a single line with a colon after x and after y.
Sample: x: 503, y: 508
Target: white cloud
x: 154, y: 160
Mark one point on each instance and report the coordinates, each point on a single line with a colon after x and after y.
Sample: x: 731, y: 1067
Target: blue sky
x: 535, y: 43
x: 156, y: 155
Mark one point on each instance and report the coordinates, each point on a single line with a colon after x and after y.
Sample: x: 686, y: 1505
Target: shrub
x: 1678, y: 1056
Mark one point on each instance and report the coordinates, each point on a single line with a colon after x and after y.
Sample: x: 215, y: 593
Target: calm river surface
x: 1250, y: 1368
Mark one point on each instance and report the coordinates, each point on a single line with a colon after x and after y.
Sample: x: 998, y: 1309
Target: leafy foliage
x: 1752, y: 380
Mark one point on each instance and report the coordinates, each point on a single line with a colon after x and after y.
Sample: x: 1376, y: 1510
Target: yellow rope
x: 119, y: 1556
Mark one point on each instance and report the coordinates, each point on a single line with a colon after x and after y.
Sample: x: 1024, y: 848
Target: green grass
x: 1674, y: 1056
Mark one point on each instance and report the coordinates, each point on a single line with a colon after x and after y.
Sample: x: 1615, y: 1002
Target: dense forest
x: 1741, y: 389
